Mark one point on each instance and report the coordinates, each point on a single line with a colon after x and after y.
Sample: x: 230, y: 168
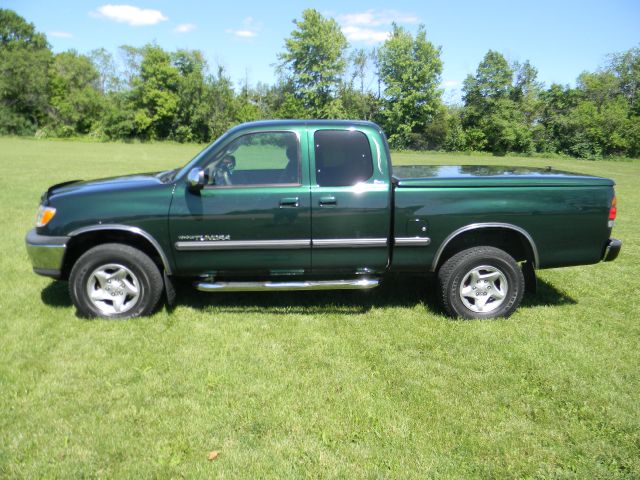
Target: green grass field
x: 349, y: 385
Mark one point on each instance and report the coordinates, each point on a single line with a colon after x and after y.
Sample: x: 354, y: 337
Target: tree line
x: 157, y: 95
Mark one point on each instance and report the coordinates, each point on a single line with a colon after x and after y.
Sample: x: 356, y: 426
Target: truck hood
x: 128, y: 182
x: 488, y: 176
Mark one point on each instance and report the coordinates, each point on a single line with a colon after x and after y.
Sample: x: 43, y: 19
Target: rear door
x: 350, y: 202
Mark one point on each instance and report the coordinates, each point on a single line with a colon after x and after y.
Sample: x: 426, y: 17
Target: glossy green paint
x: 413, y: 176
x: 564, y: 215
x: 136, y: 201
x: 362, y: 211
x: 568, y: 225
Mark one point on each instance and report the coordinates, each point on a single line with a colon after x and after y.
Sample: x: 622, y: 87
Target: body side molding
x: 412, y: 241
x: 242, y: 245
x: 280, y: 244
x: 480, y: 226
x: 349, y: 242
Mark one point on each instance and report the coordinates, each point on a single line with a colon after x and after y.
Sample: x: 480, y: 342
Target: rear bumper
x: 612, y: 250
x: 46, y: 253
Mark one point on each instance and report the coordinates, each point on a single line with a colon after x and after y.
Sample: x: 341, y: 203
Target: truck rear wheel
x: 481, y: 282
x: 115, y: 281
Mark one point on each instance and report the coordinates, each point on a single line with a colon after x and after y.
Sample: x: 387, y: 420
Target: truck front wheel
x: 115, y: 281
x: 481, y: 282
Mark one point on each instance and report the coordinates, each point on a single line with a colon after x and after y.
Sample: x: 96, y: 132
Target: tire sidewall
x: 508, y: 268
x: 95, y: 258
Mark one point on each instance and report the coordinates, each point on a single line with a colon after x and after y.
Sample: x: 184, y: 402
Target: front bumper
x: 612, y: 250
x: 46, y: 253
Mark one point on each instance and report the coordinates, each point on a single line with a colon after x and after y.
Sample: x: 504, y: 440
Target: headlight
x: 45, y: 214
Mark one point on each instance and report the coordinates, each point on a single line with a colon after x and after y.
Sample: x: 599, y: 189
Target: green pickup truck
x: 316, y: 205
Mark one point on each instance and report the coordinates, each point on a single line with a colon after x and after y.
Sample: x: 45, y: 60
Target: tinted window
x: 343, y: 157
x: 257, y: 159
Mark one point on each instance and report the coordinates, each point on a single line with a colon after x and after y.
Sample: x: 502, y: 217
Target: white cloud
x: 131, y: 15
x: 372, y: 26
x: 60, y: 34
x: 376, y: 18
x: 366, y: 35
x: 249, y: 29
x: 242, y: 33
x: 184, y: 28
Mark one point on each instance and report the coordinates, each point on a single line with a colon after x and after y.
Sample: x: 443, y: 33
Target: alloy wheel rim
x: 113, y: 289
x: 484, y: 289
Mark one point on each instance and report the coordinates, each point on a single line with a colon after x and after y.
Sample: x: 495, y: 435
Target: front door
x: 350, y: 203
x: 253, y: 216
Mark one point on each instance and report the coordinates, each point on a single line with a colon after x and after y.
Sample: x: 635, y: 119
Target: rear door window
x: 342, y: 158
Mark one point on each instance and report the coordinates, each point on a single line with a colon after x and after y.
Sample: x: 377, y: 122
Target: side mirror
x: 195, y: 179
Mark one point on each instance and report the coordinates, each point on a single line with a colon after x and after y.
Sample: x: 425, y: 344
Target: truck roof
x: 311, y: 123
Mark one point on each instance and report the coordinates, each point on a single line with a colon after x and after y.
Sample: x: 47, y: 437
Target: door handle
x: 289, y: 202
x: 329, y: 201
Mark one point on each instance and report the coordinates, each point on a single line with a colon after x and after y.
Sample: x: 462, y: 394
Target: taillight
x: 613, y: 211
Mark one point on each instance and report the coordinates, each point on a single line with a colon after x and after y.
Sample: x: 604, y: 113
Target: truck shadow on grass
x: 406, y: 292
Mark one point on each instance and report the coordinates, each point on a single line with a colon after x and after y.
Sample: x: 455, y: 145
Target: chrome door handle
x: 289, y: 202
x: 329, y: 201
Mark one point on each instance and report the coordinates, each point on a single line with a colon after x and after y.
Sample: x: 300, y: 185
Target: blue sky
x: 560, y: 38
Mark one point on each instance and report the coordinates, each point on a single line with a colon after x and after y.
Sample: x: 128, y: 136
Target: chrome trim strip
x: 130, y: 229
x: 242, y: 245
x: 350, y: 242
x: 478, y: 226
x: 412, y: 241
x: 356, y: 284
x: 281, y: 244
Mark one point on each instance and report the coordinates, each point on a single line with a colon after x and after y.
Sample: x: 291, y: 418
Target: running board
x: 356, y: 284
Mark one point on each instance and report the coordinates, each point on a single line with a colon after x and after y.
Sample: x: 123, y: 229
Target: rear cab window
x: 342, y: 158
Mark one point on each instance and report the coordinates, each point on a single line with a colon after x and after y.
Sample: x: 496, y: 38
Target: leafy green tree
x: 155, y: 93
x: 24, y: 62
x: 410, y: 71
x: 357, y: 100
x: 191, y: 120
x: 76, y: 103
x: 314, y: 58
x: 498, y: 114
x: 557, y: 102
x: 600, y: 118
x: 626, y: 67
x: 455, y: 139
x: 590, y: 120
x: 104, y: 64
x: 118, y: 119
x: 221, y: 103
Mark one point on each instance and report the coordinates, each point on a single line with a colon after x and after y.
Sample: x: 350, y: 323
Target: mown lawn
x: 349, y: 385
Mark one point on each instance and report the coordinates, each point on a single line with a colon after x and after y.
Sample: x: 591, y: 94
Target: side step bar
x: 356, y: 284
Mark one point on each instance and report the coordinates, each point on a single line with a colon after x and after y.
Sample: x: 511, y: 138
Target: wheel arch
x: 85, y: 238
x: 513, y: 239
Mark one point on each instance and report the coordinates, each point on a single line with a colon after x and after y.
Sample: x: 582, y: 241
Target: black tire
x: 481, y: 282
x: 134, y: 281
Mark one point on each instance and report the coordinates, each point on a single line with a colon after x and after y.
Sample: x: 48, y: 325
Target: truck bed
x: 415, y: 176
